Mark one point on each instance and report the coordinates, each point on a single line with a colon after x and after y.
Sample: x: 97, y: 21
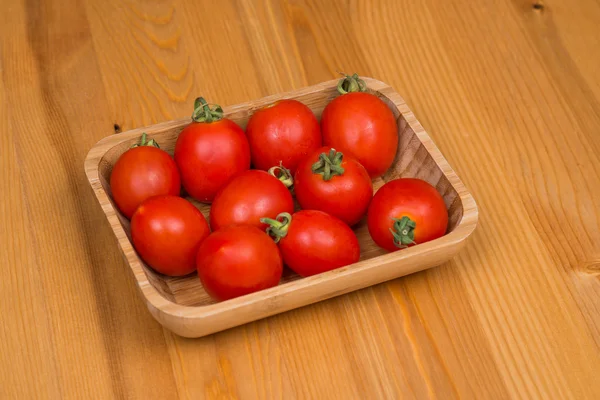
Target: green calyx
x: 329, y: 165
x: 350, y: 84
x: 144, y: 142
x: 403, y: 231
x: 283, y: 174
x: 278, y: 227
x: 203, y: 112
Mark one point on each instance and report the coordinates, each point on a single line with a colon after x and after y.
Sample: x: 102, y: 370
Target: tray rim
x: 172, y: 314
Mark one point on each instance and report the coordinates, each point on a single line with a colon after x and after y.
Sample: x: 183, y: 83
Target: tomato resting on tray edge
x: 141, y: 172
x: 405, y: 212
x: 283, y: 132
x: 361, y: 125
x: 210, y: 151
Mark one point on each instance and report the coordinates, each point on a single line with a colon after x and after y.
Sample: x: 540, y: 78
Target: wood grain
x: 509, y: 93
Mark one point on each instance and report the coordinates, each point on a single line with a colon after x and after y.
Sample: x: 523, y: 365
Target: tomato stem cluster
x: 351, y: 83
x: 203, y: 112
x: 144, y: 142
x: 329, y: 165
x: 403, y: 231
x: 283, y: 174
x: 278, y: 227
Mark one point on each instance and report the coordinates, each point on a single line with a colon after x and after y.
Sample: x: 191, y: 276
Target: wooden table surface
x: 508, y: 90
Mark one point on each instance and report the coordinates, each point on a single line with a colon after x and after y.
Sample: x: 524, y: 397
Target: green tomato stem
x: 144, y: 142
x: 350, y: 84
x: 283, y: 174
x: 278, y: 227
x: 329, y: 165
x: 203, y: 112
x: 403, y: 231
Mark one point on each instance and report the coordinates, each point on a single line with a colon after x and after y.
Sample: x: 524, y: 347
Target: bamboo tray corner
x: 181, y: 304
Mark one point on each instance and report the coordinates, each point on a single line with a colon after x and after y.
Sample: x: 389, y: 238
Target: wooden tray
x: 182, y: 305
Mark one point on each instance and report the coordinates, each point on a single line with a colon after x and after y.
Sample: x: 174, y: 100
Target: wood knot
x: 117, y: 128
x: 591, y: 268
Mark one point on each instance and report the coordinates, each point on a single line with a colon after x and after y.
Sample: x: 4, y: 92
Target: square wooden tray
x: 182, y: 305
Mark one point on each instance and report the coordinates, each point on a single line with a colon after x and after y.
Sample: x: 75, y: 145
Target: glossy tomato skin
x: 247, y: 198
x: 409, y: 197
x: 238, y: 260
x: 140, y: 173
x: 209, y: 155
x: 317, y: 242
x: 346, y: 196
x: 362, y: 126
x: 166, y: 232
x: 285, y: 132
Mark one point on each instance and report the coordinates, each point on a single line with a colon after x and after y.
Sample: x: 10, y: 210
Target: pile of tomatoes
x: 328, y: 166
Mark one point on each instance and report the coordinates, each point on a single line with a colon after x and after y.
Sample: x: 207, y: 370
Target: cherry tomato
x: 142, y: 172
x: 312, y: 241
x: 238, y: 260
x: 249, y: 197
x: 405, y: 212
x: 166, y: 232
x: 362, y: 126
x: 284, y: 132
x: 336, y: 184
x: 210, y: 152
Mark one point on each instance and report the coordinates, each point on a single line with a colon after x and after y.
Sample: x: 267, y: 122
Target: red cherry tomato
x: 362, y: 126
x: 238, y: 260
x: 210, y: 152
x: 249, y: 197
x: 142, y: 172
x: 284, y: 132
x: 334, y: 183
x: 312, y: 241
x: 405, y: 212
x: 166, y: 232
